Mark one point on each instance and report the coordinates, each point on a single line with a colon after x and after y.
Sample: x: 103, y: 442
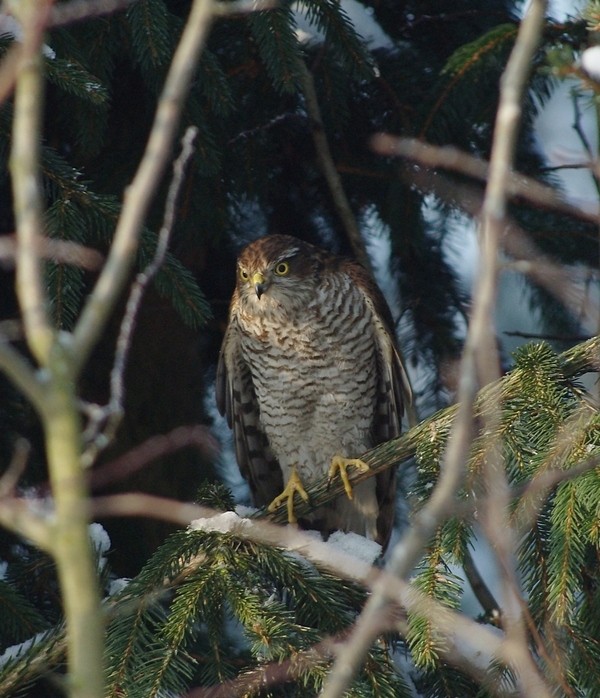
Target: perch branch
x: 580, y: 359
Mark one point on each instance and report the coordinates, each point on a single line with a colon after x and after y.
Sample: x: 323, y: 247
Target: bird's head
x: 275, y: 272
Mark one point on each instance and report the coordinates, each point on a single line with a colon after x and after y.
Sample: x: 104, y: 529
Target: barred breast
x: 314, y: 373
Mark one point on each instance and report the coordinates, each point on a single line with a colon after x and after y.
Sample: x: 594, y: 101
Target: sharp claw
x: 294, y: 485
x: 341, y: 465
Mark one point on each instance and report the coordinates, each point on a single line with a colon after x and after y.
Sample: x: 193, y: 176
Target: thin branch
x: 17, y: 516
x: 495, y: 517
x: 62, y: 251
x: 20, y: 372
x: 24, y: 168
x: 545, y: 337
x: 529, y: 260
x: 138, y: 195
x: 77, y: 10
x: 105, y: 421
x: 451, y: 158
x: 478, y: 367
x: 198, y: 436
x: 327, y: 165
x: 13, y: 473
x: 481, y: 590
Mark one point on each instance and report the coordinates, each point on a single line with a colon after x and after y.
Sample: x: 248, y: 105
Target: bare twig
x: 62, y: 251
x: 529, y: 260
x: 327, y: 165
x: 272, y: 674
x: 124, y: 466
x: 24, y: 167
x: 448, y: 157
x: 139, y: 194
x: 18, y: 516
x: 21, y: 373
x: 478, y: 366
x: 77, y: 10
x: 11, y: 476
x: 105, y: 421
x: 495, y: 519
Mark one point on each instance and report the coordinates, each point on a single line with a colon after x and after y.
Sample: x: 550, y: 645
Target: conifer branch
x: 473, y: 643
x: 138, y: 195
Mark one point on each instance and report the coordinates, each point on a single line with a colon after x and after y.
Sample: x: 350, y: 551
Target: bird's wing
x: 236, y: 399
x: 393, y: 388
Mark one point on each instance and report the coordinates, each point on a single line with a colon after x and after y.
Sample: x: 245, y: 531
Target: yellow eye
x: 244, y: 276
x: 282, y: 269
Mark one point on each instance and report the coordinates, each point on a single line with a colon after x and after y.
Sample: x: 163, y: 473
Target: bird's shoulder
x: 366, y: 285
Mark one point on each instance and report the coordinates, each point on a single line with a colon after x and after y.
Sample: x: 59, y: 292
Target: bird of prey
x: 310, y: 378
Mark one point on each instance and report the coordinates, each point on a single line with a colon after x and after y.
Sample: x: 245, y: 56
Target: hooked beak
x: 260, y: 284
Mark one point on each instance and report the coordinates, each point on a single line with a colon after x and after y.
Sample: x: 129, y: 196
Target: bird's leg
x: 341, y: 464
x: 294, y: 484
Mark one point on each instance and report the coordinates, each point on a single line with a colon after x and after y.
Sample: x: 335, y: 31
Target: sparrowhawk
x: 310, y: 378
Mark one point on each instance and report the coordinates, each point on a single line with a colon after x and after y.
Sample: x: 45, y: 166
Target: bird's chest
x: 314, y: 376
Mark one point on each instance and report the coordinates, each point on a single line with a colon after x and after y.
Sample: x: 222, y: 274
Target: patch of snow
x: 245, y: 512
x: 15, y: 651
x: 116, y: 586
x: 100, y: 538
x: 10, y: 27
x: 226, y: 463
x: 101, y: 543
x: 227, y: 522
x: 360, y: 16
x: 355, y: 545
x: 590, y: 61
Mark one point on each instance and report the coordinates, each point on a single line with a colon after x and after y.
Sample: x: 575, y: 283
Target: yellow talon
x: 294, y: 484
x: 342, y: 464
